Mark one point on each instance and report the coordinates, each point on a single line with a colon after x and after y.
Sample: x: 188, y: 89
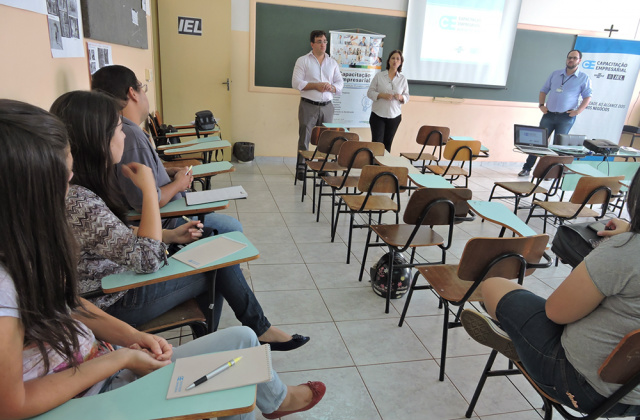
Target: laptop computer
x: 531, y: 140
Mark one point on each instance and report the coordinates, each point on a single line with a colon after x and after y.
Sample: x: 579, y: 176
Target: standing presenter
x: 388, y: 91
x: 562, y: 92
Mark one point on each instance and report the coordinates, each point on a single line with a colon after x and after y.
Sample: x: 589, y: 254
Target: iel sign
x: 189, y: 26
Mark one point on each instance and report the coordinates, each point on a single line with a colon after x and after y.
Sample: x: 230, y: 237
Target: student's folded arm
x: 576, y: 297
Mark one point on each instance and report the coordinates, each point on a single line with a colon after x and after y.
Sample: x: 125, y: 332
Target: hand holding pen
x: 218, y: 371
x: 186, y: 219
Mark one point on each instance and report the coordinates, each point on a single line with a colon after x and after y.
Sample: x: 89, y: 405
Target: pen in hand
x: 186, y: 219
x: 189, y: 170
x: 218, y: 371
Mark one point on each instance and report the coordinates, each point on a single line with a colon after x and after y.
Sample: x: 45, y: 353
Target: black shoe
x: 482, y: 329
x: 300, y: 176
x: 296, y: 341
x: 524, y: 172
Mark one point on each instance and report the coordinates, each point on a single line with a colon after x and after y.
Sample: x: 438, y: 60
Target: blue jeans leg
x: 556, y: 123
x: 537, y: 340
x: 222, y: 223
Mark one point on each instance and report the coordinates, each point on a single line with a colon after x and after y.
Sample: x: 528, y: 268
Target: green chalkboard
x: 282, y: 35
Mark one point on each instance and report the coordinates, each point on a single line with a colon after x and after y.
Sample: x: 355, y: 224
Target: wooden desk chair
x: 329, y: 143
x: 309, y: 155
x: 426, y: 208
x: 549, y: 168
x: 589, y: 191
x: 622, y: 367
x: 457, y: 151
x: 352, y: 155
x: 382, y: 184
x: 512, y: 258
x: 429, y: 135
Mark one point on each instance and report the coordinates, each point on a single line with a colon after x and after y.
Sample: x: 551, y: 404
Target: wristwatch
x: 541, y: 105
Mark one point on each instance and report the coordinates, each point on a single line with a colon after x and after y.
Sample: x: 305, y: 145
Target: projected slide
x: 460, y: 42
x: 467, y: 33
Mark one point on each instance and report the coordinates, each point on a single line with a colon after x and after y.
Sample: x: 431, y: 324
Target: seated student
x: 108, y: 245
x: 122, y: 83
x: 54, y: 344
x: 562, y: 341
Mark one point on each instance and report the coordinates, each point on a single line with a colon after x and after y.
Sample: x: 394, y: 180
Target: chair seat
x: 521, y: 187
x: 336, y: 181
x: 183, y: 314
x: 442, y: 170
x: 398, y: 235
x: 566, y: 210
x: 444, y: 279
x: 374, y: 203
x: 309, y: 154
x: 418, y: 156
x: 328, y: 166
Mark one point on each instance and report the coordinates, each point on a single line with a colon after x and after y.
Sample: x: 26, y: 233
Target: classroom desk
x: 204, y: 133
x: 146, y: 399
x: 430, y: 181
x: 189, y: 142
x: 388, y: 160
x: 206, y: 149
x: 499, y: 214
x: 626, y: 182
x: 484, y: 150
x: 179, y: 208
x: 584, y: 169
x: 207, y: 170
x: 580, y: 151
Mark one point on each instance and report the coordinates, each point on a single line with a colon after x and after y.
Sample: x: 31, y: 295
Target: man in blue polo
x: 562, y: 92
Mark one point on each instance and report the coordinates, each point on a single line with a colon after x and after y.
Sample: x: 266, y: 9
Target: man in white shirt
x: 317, y: 77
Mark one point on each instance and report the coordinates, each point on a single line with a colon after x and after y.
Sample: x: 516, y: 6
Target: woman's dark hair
x: 91, y: 119
x: 401, y: 58
x: 633, y: 203
x: 37, y: 248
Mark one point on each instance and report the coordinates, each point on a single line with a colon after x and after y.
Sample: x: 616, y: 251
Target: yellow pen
x: 218, y: 371
x: 189, y: 170
x: 186, y: 219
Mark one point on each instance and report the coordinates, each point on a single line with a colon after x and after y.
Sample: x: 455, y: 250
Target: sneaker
x: 482, y: 329
x: 524, y: 172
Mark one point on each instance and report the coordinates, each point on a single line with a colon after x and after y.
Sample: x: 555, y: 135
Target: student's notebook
x: 210, y: 251
x: 211, y: 196
x: 254, y: 368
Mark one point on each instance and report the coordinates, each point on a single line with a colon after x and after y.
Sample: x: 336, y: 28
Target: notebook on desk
x: 211, y: 196
x: 531, y: 140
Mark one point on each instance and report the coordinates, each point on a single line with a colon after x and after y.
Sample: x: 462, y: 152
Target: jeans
x: 384, y: 129
x: 269, y: 395
x: 554, y: 122
x: 143, y: 304
x: 537, y: 340
x: 222, y: 223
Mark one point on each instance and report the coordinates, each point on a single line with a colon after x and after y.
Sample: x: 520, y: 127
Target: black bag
x: 205, y: 121
x: 574, y: 242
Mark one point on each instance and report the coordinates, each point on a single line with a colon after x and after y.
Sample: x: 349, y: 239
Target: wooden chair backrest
x: 384, y: 184
x: 439, y: 214
x: 479, y: 252
x: 453, y: 145
x: 350, y: 148
x: 431, y: 135
x: 624, y: 361
x: 327, y: 145
x: 587, y: 184
x: 317, y: 130
x: 546, y: 161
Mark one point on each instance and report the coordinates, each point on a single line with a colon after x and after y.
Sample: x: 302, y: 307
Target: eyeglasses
x: 321, y: 42
x: 143, y: 87
x: 573, y: 58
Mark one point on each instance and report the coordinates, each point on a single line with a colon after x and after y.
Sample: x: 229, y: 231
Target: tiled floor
x: 372, y: 368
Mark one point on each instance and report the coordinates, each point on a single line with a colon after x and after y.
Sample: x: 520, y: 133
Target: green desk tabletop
x: 430, y: 181
x: 146, y: 399
x: 179, y: 208
x: 175, y: 268
x: 191, y: 133
x: 584, y: 169
x: 498, y: 213
x: 189, y: 142
x: 212, y: 168
x: 201, y: 147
